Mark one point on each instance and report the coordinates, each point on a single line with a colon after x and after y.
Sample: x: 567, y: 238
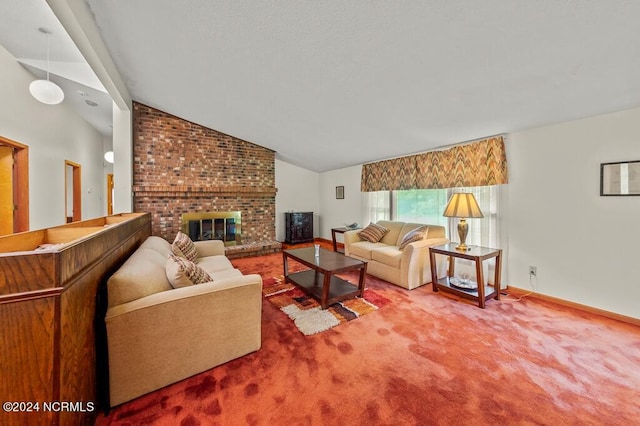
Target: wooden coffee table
x: 320, y: 282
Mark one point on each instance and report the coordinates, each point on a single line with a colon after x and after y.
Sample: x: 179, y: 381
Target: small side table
x: 340, y: 230
x: 476, y: 254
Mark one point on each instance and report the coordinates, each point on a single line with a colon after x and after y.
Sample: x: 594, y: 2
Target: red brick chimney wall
x: 182, y: 167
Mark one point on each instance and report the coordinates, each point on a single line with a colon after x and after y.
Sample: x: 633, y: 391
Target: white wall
x: 336, y: 213
x: 585, y: 246
x: 54, y: 133
x: 123, y: 160
x: 107, y: 145
x: 298, y: 190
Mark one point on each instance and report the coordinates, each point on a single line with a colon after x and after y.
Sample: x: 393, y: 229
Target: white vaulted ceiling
x: 330, y: 84
x: 19, y: 23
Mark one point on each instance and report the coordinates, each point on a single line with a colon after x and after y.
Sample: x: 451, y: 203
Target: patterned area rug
x: 307, y: 314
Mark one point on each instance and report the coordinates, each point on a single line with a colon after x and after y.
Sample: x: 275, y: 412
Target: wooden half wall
x: 49, y: 314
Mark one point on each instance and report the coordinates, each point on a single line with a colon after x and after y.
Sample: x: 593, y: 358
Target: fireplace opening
x: 224, y: 226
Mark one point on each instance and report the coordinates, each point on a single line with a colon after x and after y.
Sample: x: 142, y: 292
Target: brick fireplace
x: 181, y: 168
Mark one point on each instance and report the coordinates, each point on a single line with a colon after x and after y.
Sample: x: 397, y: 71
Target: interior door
x: 73, y: 203
x: 17, y: 182
x: 109, y: 193
x: 7, y: 204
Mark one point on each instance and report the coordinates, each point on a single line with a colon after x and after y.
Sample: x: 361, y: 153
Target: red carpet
x: 424, y: 359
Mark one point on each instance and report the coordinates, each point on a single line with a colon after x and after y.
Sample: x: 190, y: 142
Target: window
x: 420, y: 205
x: 378, y: 206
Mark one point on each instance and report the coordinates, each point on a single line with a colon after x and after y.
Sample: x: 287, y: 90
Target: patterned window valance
x: 389, y: 175
x: 479, y: 163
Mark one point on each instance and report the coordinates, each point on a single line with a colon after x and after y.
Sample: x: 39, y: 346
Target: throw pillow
x: 413, y: 236
x: 182, y: 272
x: 183, y: 247
x: 373, y: 233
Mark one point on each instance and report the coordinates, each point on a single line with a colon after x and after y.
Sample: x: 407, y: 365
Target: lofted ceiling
x: 19, y: 34
x: 330, y: 84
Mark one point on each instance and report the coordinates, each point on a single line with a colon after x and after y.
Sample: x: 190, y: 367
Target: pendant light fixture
x: 46, y: 91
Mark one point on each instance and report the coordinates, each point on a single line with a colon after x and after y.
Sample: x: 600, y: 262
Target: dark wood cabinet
x: 299, y: 227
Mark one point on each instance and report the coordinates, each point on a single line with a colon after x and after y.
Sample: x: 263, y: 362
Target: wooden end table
x: 321, y: 282
x: 477, y: 255
x: 340, y: 230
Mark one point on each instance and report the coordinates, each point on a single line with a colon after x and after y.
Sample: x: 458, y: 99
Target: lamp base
x: 463, y: 229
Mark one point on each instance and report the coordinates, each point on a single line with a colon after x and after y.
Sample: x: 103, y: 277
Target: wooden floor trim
x: 612, y: 315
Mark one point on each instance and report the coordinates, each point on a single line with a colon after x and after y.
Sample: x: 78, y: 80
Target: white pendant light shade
x: 108, y: 157
x: 46, y: 92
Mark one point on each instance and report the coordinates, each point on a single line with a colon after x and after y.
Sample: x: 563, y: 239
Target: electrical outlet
x: 533, y: 270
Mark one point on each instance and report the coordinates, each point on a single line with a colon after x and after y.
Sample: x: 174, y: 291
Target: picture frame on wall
x: 620, y: 179
x: 339, y: 192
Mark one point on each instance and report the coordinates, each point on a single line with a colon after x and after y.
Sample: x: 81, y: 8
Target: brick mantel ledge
x: 252, y: 249
x: 191, y: 191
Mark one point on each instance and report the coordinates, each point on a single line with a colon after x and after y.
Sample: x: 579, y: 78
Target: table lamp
x: 462, y: 205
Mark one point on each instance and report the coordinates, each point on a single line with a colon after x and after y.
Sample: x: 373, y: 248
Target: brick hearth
x: 182, y: 167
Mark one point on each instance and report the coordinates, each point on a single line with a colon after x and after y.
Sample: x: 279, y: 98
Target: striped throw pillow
x: 413, y: 236
x: 373, y: 233
x: 183, y: 247
x: 182, y: 272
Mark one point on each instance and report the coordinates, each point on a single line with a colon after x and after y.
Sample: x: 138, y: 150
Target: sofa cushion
x: 183, y: 247
x: 373, y: 232
x: 214, y: 263
x: 182, y: 272
x: 141, y: 275
x: 157, y: 244
x: 363, y: 249
x: 388, y: 255
x: 225, y: 274
x: 391, y: 237
x: 413, y: 236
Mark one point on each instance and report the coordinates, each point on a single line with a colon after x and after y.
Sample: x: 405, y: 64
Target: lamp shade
x: 463, y: 204
x: 46, y: 91
x: 108, y: 157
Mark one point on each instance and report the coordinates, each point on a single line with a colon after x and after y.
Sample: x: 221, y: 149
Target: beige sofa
x: 158, y: 335
x: 408, y: 268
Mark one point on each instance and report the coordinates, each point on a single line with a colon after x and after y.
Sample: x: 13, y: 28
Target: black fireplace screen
x: 223, y: 226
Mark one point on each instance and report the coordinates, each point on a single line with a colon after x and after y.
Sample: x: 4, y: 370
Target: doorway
x: 14, y: 187
x: 72, y: 201
x: 109, y: 193
x: 6, y: 190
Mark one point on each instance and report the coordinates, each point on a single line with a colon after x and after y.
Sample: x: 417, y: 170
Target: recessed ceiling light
x: 90, y: 103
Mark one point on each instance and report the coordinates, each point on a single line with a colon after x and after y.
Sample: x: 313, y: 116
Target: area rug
x: 306, y: 312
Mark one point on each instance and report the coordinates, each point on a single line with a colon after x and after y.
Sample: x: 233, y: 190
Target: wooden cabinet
x: 50, y: 314
x: 299, y: 227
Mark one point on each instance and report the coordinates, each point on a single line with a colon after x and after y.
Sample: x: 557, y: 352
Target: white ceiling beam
x: 76, y: 18
x: 79, y: 72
